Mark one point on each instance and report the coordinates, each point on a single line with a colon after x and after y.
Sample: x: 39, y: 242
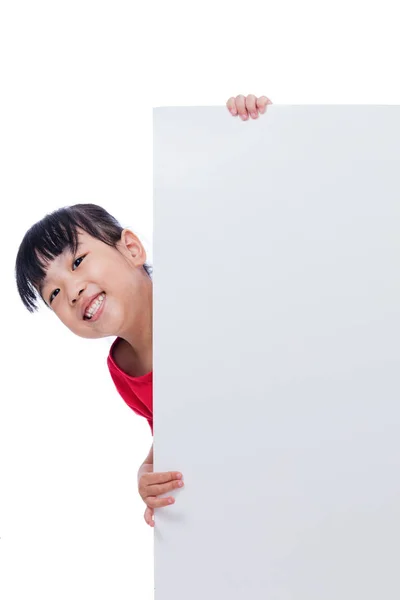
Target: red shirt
x: 136, y: 391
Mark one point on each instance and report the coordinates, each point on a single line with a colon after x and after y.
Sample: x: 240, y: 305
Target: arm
x: 147, y: 466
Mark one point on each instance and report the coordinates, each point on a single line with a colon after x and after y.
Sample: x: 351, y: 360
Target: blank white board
x: 276, y: 352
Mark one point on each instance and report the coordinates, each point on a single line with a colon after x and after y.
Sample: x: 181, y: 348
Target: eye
x: 53, y: 295
x: 77, y: 262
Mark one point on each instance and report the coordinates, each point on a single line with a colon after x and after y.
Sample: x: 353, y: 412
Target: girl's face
x: 101, y: 291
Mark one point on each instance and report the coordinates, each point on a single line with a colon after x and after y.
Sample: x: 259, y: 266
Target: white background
x: 78, y: 83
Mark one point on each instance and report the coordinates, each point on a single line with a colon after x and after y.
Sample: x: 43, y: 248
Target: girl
x: 93, y: 274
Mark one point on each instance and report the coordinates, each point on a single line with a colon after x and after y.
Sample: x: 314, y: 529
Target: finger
x: 241, y: 107
x: 148, y: 516
x: 152, y: 478
x: 158, y: 489
x: 262, y: 103
x: 231, y: 105
x: 251, y: 106
x: 148, y: 488
x: 154, y: 502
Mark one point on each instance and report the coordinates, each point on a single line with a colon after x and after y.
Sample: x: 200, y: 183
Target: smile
x: 94, y: 307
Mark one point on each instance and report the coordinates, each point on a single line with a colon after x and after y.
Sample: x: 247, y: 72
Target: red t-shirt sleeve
x: 137, y: 392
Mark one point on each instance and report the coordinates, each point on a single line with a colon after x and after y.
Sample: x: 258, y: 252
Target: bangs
x: 43, y: 243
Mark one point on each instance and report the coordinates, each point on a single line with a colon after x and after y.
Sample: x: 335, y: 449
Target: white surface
x: 276, y: 352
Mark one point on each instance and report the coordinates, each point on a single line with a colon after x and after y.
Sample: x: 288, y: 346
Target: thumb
x: 148, y: 516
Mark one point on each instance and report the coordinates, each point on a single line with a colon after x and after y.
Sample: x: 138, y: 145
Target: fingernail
x: 244, y: 117
x: 254, y: 115
x: 233, y: 111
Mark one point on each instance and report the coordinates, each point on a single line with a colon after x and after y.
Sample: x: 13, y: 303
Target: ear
x: 133, y: 247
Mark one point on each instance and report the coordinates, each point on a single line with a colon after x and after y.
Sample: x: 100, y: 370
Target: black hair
x: 56, y: 232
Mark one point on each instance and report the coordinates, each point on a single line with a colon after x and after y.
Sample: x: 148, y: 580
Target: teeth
x: 94, y: 307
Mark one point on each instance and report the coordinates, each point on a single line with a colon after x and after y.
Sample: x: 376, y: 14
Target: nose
x: 75, y: 296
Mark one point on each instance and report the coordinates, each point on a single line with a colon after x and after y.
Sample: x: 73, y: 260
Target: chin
x: 89, y: 335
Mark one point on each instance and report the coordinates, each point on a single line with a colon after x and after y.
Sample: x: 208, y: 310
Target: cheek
x: 107, y: 274
x: 68, y: 321
x: 67, y: 318
x: 118, y: 289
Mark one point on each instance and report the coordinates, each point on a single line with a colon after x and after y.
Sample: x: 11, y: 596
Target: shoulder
x: 122, y: 359
x: 121, y: 353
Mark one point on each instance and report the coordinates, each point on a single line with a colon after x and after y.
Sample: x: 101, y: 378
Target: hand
x: 152, y: 485
x: 243, y: 106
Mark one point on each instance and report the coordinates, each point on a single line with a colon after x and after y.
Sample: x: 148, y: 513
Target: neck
x: 140, y: 336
